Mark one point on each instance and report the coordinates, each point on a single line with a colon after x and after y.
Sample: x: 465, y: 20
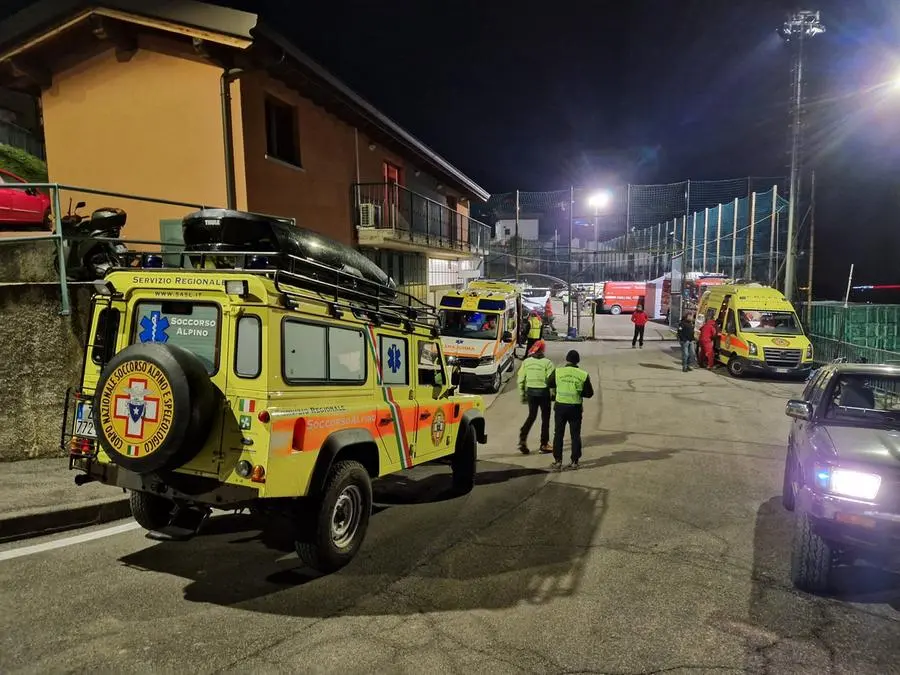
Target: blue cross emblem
x: 394, y: 358
x: 155, y: 327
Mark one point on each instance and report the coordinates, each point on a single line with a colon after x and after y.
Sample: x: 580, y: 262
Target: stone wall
x: 41, y: 352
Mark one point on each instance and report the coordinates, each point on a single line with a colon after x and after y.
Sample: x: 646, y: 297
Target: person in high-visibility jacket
x: 572, y: 385
x: 532, y: 378
x: 534, y: 332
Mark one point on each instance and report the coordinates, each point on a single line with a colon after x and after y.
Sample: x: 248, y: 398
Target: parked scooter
x: 87, y: 258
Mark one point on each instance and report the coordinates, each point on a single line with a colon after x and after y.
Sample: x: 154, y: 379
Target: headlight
x: 451, y: 360
x: 848, y: 483
x: 809, y: 351
x: 752, y: 347
x: 486, y: 360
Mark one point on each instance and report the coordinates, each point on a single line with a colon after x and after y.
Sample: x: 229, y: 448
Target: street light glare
x: 599, y: 200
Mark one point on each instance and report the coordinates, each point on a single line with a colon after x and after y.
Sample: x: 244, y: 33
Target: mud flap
x: 185, y: 524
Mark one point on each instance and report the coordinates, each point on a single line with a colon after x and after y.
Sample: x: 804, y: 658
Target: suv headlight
x: 848, y: 483
x: 486, y: 360
x: 751, y: 346
x: 809, y: 351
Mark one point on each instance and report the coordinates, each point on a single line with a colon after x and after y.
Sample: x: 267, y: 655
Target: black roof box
x: 224, y: 229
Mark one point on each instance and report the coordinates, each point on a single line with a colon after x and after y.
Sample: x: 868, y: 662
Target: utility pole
x: 795, y: 31
x: 627, y: 229
x: 812, y: 242
x: 517, y: 237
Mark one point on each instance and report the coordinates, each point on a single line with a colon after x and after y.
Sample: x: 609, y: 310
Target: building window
x: 281, y: 131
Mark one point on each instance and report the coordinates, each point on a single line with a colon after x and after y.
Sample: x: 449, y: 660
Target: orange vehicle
x: 622, y: 296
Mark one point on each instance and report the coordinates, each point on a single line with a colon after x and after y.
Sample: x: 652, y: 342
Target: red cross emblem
x: 136, y: 407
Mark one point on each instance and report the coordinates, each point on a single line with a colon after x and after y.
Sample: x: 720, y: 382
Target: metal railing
x: 17, y: 137
x: 417, y: 218
x: 826, y: 350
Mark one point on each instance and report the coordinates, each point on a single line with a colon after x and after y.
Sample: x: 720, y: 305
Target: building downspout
x: 228, y: 76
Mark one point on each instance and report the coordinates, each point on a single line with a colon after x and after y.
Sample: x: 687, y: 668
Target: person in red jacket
x: 708, y: 333
x: 639, y: 319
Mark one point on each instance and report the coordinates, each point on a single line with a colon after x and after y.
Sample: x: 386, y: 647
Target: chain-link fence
x: 734, y: 227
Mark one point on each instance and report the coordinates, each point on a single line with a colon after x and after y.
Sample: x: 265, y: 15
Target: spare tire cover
x: 142, y: 407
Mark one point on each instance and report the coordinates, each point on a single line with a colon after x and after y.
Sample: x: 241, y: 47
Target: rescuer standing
x: 534, y: 332
x: 639, y: 318
x: 533, y: 378
x: 572, y: 385
x: 708, y: 333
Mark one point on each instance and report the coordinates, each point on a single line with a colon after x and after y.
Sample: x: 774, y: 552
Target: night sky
x: 538, y: 95
x: 542, y: 95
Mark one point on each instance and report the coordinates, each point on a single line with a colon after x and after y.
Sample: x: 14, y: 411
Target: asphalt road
x: 666, y: 552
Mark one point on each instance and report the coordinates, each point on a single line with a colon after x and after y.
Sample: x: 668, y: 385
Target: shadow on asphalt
x: 830, y: 623
x: 658, y: 366
x: 518, y: 537
x: 627, y: 456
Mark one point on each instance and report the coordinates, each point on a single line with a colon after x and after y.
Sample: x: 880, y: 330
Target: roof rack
x: 291, y: 274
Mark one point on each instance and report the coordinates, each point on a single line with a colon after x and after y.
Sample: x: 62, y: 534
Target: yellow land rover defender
x: 272, y: 369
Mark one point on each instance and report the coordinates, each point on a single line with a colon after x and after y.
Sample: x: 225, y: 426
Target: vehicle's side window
x: 323, y: 353
x: 248, y: 347
x: 105, y: 335
x: 346, y: 355
x: 305, y: 354
x: 819, y: 384
x: 730, y: 326
x: 392, y: 354
x: 431, y: 371
x: 811, y: 386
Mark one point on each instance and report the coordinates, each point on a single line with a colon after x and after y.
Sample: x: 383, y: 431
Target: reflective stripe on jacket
x: 534, y: 373
x: 534, y: 328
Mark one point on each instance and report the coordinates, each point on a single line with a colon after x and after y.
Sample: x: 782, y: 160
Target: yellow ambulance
x: 759, y: 331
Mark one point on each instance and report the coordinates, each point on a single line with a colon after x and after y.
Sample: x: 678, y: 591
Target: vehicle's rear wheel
x: 790, y: 483
x: 337, y: 523
x: 736, y: 366
x: 151, y: 511
x: 464, y: 461
x: 615, y: 309
x: 812, y: 558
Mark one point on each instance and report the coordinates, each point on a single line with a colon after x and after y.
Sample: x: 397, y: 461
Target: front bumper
x: 863, y: 527
x: 760, y: 366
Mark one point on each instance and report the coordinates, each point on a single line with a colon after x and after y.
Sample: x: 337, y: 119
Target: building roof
x: 43, y: 19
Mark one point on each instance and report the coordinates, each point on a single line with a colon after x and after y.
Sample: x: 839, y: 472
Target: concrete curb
x: 26, y: 524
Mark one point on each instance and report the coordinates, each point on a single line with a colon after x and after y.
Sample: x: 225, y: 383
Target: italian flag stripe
x: 247, y: 405
x: 132, y: 451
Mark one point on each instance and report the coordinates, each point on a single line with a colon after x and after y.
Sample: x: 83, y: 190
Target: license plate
x: 782, y: 370
x: 84, y: 421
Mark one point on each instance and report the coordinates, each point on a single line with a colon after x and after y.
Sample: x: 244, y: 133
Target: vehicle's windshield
x: 476, y: 325
x: 858, y: 397
x: 194, y: 327
x: 766, y: 321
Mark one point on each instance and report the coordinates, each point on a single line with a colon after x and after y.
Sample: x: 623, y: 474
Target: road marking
x: 67, y: 541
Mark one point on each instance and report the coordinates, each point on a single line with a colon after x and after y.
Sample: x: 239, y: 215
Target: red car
x: 26, y: 208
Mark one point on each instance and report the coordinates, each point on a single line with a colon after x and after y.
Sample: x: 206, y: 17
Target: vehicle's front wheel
x: 791, y: 480
x: 496, y: 382
x: 736, y: 366
x: 464, y: 461
x: 338, y: 521
x: 151, y: 511
x: 615, y: 310
x: 812, y: 557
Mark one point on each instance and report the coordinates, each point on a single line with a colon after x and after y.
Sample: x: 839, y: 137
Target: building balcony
x: 17, y: 137
x: 391, y: 216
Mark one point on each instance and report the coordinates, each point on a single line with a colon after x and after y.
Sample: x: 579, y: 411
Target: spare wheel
x: 154, y: 407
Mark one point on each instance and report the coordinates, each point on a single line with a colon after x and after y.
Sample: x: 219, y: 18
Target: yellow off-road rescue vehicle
x: 272, y: 369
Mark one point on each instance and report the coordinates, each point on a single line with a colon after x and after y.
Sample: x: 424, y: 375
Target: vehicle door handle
x: 424, y: 415
x: 385, y: 420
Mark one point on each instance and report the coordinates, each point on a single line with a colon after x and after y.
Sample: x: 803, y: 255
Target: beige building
x: 202, y: 105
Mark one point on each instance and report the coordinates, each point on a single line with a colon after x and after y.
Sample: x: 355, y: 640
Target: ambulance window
x: 190, y: 325
x: 392, y: 354
x: 431, y: 372
x: 105, y: 336
x: 346, y: 355
x: 305, y: 355
x: 730, y: 326
x: 248, y: 347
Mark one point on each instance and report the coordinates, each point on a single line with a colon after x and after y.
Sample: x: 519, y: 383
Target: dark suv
x: 842, y: 472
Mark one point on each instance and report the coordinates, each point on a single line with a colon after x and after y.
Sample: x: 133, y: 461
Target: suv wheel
x: 735, y: 366
x: 151, y: 511
x: 812, y: 558
x: 791, y: 477
x: 463, y: 462
x: 338, y: 522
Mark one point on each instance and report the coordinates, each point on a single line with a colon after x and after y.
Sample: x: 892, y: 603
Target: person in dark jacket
x: 639, y: 319
x: 686, y: 338
x: 572, y: 385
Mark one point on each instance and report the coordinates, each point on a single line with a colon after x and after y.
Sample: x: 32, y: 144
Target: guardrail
x: 826, y: 350
x: 57, y: 236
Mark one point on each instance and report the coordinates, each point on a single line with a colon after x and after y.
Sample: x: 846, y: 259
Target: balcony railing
x: 417, y: 219
x: 16, y: 136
